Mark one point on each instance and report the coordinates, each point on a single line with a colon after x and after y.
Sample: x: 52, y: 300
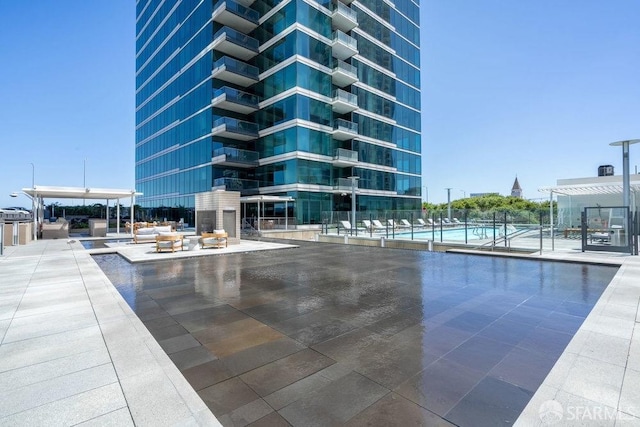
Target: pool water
x: 328, y: 334
x: 458, y: 234
x: 95, y: 244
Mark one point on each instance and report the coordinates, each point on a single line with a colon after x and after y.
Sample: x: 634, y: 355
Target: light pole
x: 464, y: 194
x: 354, y: 182
x: 34, y: 214
x: 626, y: 190
x: 449, y: 202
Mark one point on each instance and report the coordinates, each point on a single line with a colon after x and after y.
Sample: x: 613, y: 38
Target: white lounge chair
x: 347, y: 226
x: 370, y: 226
x: 392, y: 223
x: 456, y: 221
x: 405, y: 224
x: 421, y: 223
x: 378, y: 224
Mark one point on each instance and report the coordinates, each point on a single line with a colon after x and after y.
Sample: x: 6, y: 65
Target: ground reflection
x: 332, y: 334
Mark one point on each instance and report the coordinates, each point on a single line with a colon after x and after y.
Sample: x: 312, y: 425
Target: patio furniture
x: 215, y: 239
x: 169, y: 242
x: 149, y: 234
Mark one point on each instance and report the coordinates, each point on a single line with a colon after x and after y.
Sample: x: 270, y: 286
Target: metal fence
x: 513, y: 229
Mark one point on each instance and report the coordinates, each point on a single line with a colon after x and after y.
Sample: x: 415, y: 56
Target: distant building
x: 516, y: 190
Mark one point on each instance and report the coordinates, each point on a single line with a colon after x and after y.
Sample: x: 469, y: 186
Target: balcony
x: 244, y: 186
x: 234, y: 100
x: 234, y: 43
x: 343, y: 46
x: 344, y: 102
x: 343, y: 18
x: 344, y: 129
x: 235, y: 15
x: 343, y: 185
x: 236, y: 157
x: 345, y: 158
x: 234, y: 71
x: 344, y: 74
x: 235, y: 129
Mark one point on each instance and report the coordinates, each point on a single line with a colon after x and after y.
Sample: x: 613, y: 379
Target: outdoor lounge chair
x: 456, y: 221
x: 378, y: 224
x: 405, y: 224
x: 347, y: 226
x: 370, y: 226
x: 392, y: 223
x: 421, y: 223
x: 216, y: 239
x: 169, y: 242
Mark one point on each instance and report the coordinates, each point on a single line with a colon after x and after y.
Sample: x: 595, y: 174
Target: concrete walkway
x: 73, y: 352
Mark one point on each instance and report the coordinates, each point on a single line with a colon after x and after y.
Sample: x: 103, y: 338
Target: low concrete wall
x: 290, y: 234
x: 419, y: 245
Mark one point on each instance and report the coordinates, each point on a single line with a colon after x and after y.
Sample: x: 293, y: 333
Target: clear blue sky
x: 533, y: 88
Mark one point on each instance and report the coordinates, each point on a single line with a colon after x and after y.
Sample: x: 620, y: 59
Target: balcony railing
x: 344, y: 17
x: 237, y: 156
x: 239, y: 38
x: 345, y: 39
x: 343, y: 184
x: 344, y: 102
x: 344, y: 74
x: 238, y: 67
x: 237, y: 96
x: 345, y: 157
x: 346, y: 125
x: 237, y: 184
x: 238, y: 9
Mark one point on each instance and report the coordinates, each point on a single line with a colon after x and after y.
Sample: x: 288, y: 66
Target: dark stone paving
x: 345, y: 335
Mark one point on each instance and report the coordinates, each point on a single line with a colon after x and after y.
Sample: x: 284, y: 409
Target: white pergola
x: 39, y: 192
x: 591, y: 189
x: 587, y: 189
x: 261, y: 200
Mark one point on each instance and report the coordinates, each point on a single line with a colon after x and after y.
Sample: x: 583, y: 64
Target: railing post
x: 411, y: 225
x: 505, y: 229
x: 466, y: 241
x: 441, y: 227
x: 541, y: 233
x: 494, y: 229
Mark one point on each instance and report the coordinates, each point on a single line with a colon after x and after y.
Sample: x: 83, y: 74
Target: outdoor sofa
x: 149, y: 234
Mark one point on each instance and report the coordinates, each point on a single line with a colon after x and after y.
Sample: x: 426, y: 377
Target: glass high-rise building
x: 286, y: 98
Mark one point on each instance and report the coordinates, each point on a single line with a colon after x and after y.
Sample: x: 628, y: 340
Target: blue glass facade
x: 279, y: 97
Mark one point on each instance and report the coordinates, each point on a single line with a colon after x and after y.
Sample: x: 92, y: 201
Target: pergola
x: 591, y: 189
x: 261, y: 200
x: 39, y: 192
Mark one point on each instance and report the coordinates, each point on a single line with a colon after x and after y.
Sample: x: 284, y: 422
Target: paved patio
x: 73, y: 351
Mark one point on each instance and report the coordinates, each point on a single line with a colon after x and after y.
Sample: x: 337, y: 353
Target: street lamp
x: 626, y: 188
x: 33, y: 213
x: 449, y: 202
x: 354, y: 183
x: 626, y: 191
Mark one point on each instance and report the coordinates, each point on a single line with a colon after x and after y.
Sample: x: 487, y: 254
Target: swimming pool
x: 330, y: 334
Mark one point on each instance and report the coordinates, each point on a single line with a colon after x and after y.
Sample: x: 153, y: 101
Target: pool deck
x: 72, y: 351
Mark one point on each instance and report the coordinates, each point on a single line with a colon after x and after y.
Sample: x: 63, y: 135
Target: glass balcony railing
x: 236, y: 184
x: 237, y: 96
x: 340, y: 37
x: 345, y: 10
x: 344, y: 155
x: 344, y: 96
x: 237, y: 126
x: 236, y: 155
x: 240, y: 10
x: 343, y: 184
x: 237, y: 67
x: 238, y: 38
x: 345, y: 125
x: 345, y: 68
